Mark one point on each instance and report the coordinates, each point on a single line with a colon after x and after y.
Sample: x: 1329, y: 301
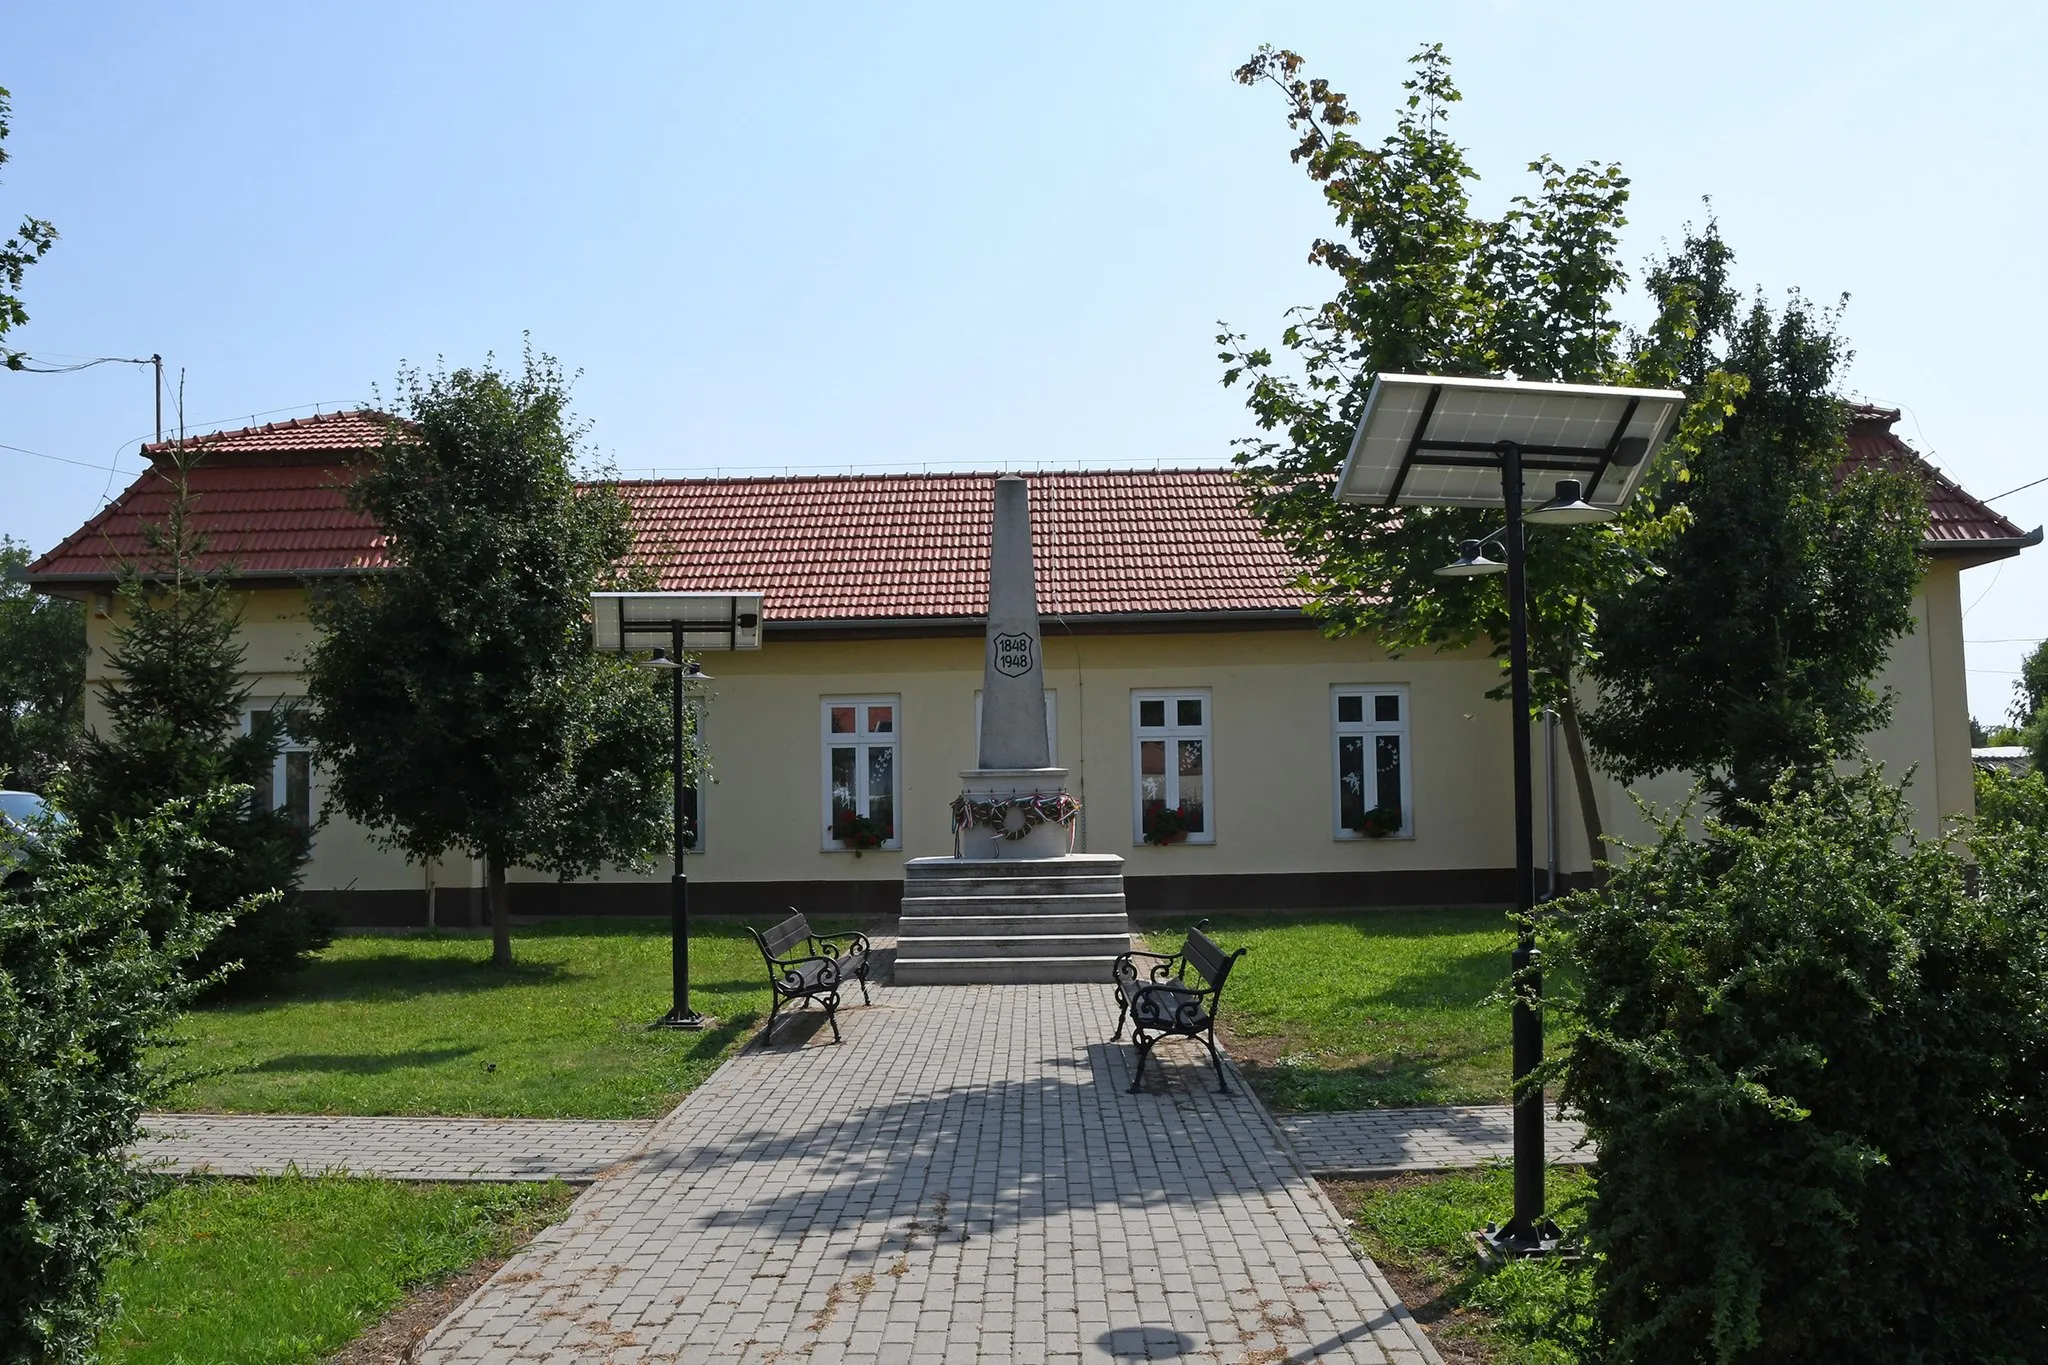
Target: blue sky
x: 881, y: 237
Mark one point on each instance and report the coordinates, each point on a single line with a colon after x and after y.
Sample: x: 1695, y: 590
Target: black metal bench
x: 815, y: 973
x: 1174, y: 998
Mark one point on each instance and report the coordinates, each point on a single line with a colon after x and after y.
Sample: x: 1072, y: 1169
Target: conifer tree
x: 179, y: 728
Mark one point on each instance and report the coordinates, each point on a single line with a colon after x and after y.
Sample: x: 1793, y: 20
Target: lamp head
x: 1568, y: 507
x: 1471, y: 562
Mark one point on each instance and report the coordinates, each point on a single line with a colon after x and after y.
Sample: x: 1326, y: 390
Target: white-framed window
x: 863, y: 779
x: 1052, y: 725
x: 291, y: 772
x: 1170, y: 763
x: 1369, y: 732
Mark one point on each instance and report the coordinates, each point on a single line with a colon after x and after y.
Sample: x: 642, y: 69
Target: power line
x: 20, y: 364
x: 323, y: 406
x: 60, y: 459
x: 2021, y: 489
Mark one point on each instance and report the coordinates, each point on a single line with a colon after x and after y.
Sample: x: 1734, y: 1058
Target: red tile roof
x: 881, y: 546
x: 269, y: 500
x: 1956, y: 522
x: 276, y: 442
x: 849, y: 548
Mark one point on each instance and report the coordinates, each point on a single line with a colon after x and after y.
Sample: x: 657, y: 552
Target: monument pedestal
x: 989, y: 921
x: 1043, y: 840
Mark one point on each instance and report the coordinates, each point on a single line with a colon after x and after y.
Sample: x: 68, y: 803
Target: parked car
x: 22, y: 815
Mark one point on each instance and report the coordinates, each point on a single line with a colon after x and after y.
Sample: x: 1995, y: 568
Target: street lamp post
x: 1427, y: 440
x: 1529, y: 1221
x: 681, y: 676
x: 667, y: 624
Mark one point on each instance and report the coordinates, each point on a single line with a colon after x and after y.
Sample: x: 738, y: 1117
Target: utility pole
x: 158, y: 362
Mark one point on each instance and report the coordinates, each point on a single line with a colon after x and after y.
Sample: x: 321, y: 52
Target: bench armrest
x: 859, y: 943
x: 787, y: 972
x: 1126, y: 965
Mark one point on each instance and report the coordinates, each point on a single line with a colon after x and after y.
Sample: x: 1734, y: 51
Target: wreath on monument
x: 1037, y: 808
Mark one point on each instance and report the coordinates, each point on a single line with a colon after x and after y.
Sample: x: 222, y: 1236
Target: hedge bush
x: 1813, y: 1063
x: 86, y: 991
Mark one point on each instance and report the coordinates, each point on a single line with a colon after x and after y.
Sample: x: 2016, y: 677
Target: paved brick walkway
x: 964, y: 1180
x: 397, y: 1148
x: 1386, y: 1141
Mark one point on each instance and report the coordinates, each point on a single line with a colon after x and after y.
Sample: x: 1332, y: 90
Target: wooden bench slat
x: 786, y: 935
x: 1205, y: 957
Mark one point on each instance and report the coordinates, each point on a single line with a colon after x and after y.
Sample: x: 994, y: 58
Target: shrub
x: 86, y: 990
x: 2010, y: 804
x: 1812, y: 1063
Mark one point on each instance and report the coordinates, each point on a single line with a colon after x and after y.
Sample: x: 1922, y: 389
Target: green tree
x: 30, y: 241
x: 1427, y: 286
x: 42, y: 675
x: 1814, y: 1066
x: 1753, y: 650
x: 456, y: 700
x: 88, y: 996
x: 2030, y: 705
x: 179, y: 728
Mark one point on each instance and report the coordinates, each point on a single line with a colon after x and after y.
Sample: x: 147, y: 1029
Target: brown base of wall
x: 1320, y: 890
x: 463, y: 908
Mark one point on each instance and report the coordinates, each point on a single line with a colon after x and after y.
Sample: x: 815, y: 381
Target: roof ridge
x: 887, y: 474
x: 266, y: 429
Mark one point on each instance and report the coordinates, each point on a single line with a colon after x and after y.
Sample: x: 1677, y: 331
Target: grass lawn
x: 289, y: 1268
x: 422, y: 1024
x: 1415, y: 1227
x: 1376, y: 1009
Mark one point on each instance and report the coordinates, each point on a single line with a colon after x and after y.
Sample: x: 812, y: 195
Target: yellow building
x: 1180, y: 669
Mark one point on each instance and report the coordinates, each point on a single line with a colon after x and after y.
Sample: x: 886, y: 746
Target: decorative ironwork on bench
x: 1175, y: 997
x: 825, y: 962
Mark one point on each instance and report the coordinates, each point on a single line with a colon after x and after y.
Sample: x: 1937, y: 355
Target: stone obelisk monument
x: 1014, y: 759
x: 1015, y: 904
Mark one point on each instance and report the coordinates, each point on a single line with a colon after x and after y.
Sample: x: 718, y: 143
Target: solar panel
x: 711, y: 620
x: 1428, y: 440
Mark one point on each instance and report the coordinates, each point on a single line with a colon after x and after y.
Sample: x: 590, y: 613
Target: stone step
x: 1002, y: 971
x: 1075, y: 865
x: 1014, y: 905
x: 1011, y: 926
x: 932, y: 946
x: 927, y: 887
